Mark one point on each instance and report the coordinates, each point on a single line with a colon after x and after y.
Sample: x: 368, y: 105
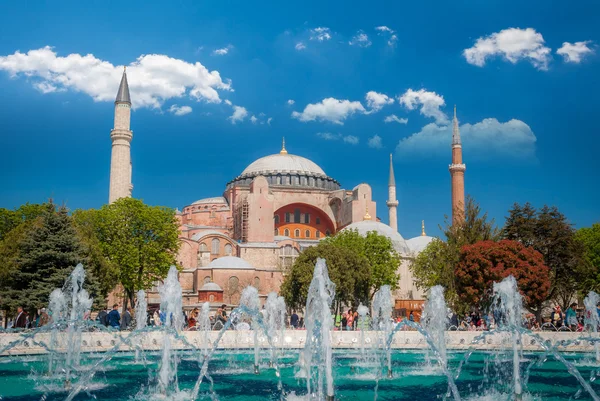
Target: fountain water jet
x: 382, y: 315
x: 435, y: 320
x: 141, y: 314
x: 362, y: 326
x: 592, y: 320
x: 249, y: 299
x: 318, y: 322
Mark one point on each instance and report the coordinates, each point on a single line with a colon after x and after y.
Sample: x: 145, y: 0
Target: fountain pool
x: 123, y: 378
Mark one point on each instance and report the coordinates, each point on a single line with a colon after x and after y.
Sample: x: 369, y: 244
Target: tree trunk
x: 125, y: 300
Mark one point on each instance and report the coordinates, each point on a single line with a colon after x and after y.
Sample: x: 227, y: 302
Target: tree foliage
x: 589, y: 238
x: 139, y: 242
x: 379, y: 252
x: 38, y: 256
x: 349, y: 271
x: 549, y: 232
x: 486, y: 262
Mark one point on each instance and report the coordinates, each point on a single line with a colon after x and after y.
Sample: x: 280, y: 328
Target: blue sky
x: 211, y: 85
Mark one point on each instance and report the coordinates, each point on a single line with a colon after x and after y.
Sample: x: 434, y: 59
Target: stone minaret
x: 392, y: 203
x: 120, y: 159
x: 457, y: 174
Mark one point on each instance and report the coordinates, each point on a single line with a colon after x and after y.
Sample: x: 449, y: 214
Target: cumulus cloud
x: 223, y: 51
x: 513, y: 44
x: 395, y: 119
x: 392, y: 40
x: 328, y: 136
x: 253, y: 119
x: 290, y: 102
x: 300, y: 46
x: 361, y: 39
x: 575, y: 52
x: 428, y: 102
x: 383, y: 28
x: 375, y: 101
x: 239, y: 114
x: 485, y: 139
x: 153, y: 78
x: 180, y: 110
x: 329, y: 109
x: 375, y: 142
x: 321, y: 34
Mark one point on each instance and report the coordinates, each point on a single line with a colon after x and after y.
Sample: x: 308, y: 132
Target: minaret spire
x: 423, y: 228
x: 121, y: 135
x: 457, y: 175
x: 283, y: 151
x: 367, y: 215
x: 392, y: 203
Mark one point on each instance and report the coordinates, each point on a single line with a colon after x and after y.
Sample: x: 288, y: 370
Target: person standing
x: 102, y: 317
x: 114, y: 319
x: 294, y: 320
x: 571, y: 316
x: 126, y: 319
x: 44, y: 318
x: 349, y: 320
x: 20, y: 321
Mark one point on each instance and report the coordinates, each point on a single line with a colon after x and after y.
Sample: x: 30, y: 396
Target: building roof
x: 229, y: 262
x: 123, y: 93
x: 211, y: 287
x: 417, y: 244
x: 365, y: 226
x: 283, y: 163
x: 216, y: 199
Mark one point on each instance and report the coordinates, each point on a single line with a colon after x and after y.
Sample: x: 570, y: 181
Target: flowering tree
x: 486, y: 262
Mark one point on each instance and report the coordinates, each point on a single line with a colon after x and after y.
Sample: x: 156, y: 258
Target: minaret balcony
x: 392, y: 203
x: 457, y: 167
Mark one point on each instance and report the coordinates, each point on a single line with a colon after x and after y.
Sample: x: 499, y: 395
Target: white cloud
x: 575, y: 52
x: 321, y: 34
x: 488, y: 138
x: 180, y: 111
x: 513, y: 44
x: 375, y: 101
x: 395, y: 119
x: 375, y: 142
x: 361, y: 39
x: 351, y: 139
x: 392, y: 41
x: 223, y: 51
x: 330, y: 109
x: 228, y: 102
x: 291, y: 102
x: 269, y: 120
x: 153, y: 78
x: 328, y: 136
x: 47, y: 87
x: 239, y: 114
x: 384, y: 28
x: 300, y: 46
x: 429, y: 102
x: 253, y: 119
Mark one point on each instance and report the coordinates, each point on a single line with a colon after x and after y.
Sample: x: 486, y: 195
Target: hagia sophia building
x: 267, y: 215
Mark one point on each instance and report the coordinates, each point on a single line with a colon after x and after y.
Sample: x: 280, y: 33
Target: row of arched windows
x: 297, y: 232
x: 215, y: 246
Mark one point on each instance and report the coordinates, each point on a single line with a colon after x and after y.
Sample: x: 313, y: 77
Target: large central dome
x: 283, y: 163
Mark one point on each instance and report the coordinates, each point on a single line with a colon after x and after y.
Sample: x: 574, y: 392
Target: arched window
x: 228, y: 249
x: 286, y: 232
x: 276, y: 219
x: 287, y: 255
x: 233, y: 284
x: 256, y: 282
x: 288, y: 217
x: 211, y: 298
x: 327, y: 233
x: 276, y: 231
x: 318, y: 234
x: 206, y: 279
x: 215, y: 245
x: 307, y: 233
x: 203, y: 247
x: 297, y: 233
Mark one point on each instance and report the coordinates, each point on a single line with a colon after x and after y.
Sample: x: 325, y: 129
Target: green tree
x: 436, y: 263
x: 589, y: 238
x: 10, y: 219
x: 41, y: 255
x: 379, y: 252
x: 348, y: 270
x: 549, y: 232
x: 139, y: 241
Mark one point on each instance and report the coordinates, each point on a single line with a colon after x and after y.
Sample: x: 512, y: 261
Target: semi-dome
x: 229, y: 262
x: 283, y: 163
x: 211, y: 287
x: 417, y: 244
x: 366, y: 226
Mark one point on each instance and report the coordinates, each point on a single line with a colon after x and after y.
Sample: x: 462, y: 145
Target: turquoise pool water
x: 486, y: 376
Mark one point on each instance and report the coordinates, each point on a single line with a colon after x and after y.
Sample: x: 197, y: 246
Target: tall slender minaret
x: 120, y: 159
x: 392, y: 203
x: 457, y: 175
